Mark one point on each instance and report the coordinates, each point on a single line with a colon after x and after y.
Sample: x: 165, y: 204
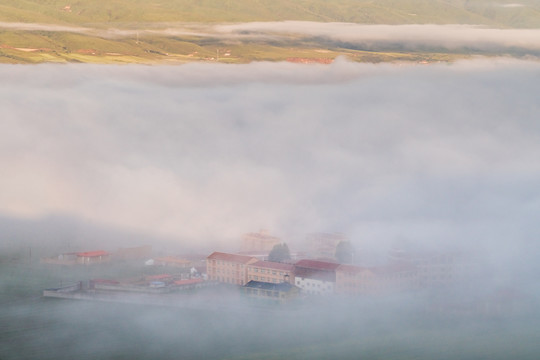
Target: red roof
x: 230, y: 257
x: 93, y: 253
x: 273, y: 265
x: 317, y: 265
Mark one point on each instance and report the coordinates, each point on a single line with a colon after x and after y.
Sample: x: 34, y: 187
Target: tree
x: 345, y: 252
x: 279, y: 253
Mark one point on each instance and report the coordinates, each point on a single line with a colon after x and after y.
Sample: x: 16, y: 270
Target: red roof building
x: 315, y: 276
x: 92, y: 257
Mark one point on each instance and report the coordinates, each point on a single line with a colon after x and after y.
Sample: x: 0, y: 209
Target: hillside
x: 497, y: 13
x: 45, y: 44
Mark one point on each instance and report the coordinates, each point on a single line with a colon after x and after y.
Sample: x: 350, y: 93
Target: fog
x: 442, y: 156
x: 432, y: 153
x: 463, y: 38
x: 408, y: 36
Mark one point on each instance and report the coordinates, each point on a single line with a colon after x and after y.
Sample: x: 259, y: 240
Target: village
x: 265, y: 272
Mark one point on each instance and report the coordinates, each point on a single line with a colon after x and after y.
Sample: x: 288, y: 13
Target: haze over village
x: 269, y: 180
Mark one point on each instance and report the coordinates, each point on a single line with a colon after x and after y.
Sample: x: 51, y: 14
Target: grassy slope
x: 359, y: 11
x: 132, y: 13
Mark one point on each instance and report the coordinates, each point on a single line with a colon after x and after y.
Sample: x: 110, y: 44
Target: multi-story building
x: 228, y: 268
x: 272, y: 272
x: 315, y: 277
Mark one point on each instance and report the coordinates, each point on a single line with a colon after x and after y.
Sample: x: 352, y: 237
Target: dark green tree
x: 345, y: 252
x: 279, y: 253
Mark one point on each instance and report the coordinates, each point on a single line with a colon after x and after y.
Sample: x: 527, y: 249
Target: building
x: 355, y: 280
x: 278, y: 293
x: 261, y: 242
x: 189, y: 284
x: 228, y: 268
x: 272, y: 272
x: 315, y: 277
x: 92, y: 257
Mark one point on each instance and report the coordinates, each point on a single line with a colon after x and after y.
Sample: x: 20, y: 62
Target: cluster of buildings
x: 316, y: 274
x: 317, y: 277
x: 98, y: 256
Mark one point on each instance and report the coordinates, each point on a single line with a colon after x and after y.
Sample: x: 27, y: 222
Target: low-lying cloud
x: 427, y: 35
x: 437, y: 154
x: 404, y: 37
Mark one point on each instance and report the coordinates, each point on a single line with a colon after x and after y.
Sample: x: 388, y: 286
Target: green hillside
x: 33, y: 46
x: 359, y: 11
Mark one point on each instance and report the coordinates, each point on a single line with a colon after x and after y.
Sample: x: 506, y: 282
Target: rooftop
x: 230, y: 257
x: 93, y: 253
x: 273, y: 265
x: 318, y: 265
x: 321, y: 275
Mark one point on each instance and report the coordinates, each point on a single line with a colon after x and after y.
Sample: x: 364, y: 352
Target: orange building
x: 272, y: 272
x: 228, y: 268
